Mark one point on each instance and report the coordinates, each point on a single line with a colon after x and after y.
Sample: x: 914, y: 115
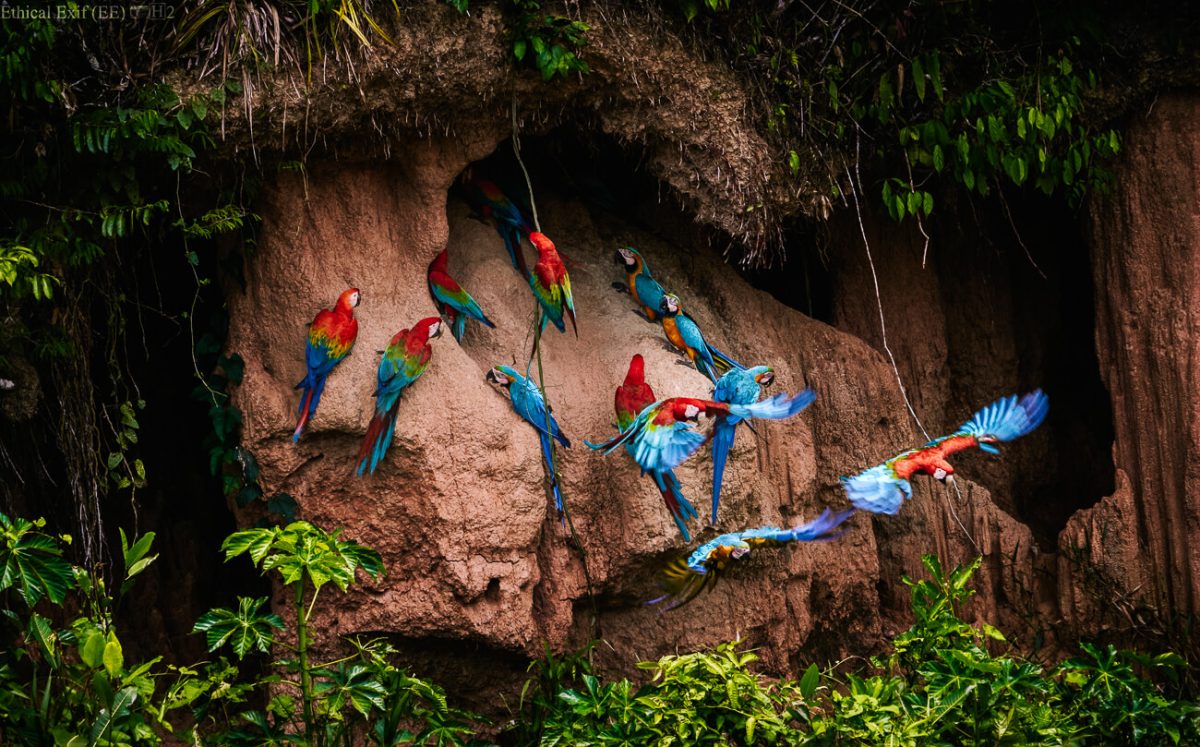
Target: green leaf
x: 928, y: 204
x: 245, y: 629
x: 114, y: 657
x: 919, y: 77
x: 92, y: 650
x: 519, y: 48
x: 810, y: 680
x: 32, y: 561
x: 105, y: 722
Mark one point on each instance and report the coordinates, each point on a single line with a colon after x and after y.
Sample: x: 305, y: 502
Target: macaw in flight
x: 551, y: 285
x: 641, y: 285
x: 663, y: 435
x: 527, y: 401
x: 633, y: 396
x: 404, y: 360
x: 452, y: 302
x: 683, y: 580
x: 488, y: 203
x: 739, y: 386
x: 884, y: 488
x: 330, y: 338
x: 684, y: 333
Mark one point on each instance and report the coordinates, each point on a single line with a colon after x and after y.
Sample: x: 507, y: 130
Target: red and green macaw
x: 633, y: 396
x: 527, y: 402
x: 642, y: 286
x: 885, y: 487
x: 488, y: 203
x: 403, y: 362
x: 684, y: 333
x: 684, y: 579
x: 664, y: 434
x: 740, y: 386
x: 452, y: 302
x: 330, y: 338
x: 551, y: 285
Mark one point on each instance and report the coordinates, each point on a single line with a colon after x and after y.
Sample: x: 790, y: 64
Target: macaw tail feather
x: 775, y: 408
x: 722, y: 442
x: 825, y: 527
x: 548, y: 455
x: 722, y: 361
x: 683, y: 584
x: 708, y: 370
x: 680, y: 507
x: 377, y: 439
x: 512, y: 242
x: 571, y: 313
x: 459, y: 327
x: 313, y: 385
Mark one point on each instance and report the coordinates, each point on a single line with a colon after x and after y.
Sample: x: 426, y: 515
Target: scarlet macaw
x: 631, y: 398
x: 488, y: 203
x: 527, y: 401
x: 644, y: 288
x: 740, y: 386
x: 684, y: 579
x: 684, y: 333
x: 883, y: 488
x: 452, y: 302
x: 663, y: 435
x: 330, y: 338
x: 403, y: 362
x: 551, y: 285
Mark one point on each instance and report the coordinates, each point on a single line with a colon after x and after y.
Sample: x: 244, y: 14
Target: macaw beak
x: 619, y: 258
x: 766, y: 378
x: 496, y: 376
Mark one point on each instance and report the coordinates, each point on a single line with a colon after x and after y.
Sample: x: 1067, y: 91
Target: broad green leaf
x: 114, y: 657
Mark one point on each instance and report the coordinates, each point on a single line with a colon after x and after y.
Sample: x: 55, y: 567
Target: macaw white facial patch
x: 939, y: 474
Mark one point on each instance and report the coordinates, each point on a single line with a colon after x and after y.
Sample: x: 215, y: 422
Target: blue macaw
x: 684, y: 579
x: 739, y: 386
x: 684, y: 333
x: 641, y: 285
x: 883, y: 488
x: 527, y: 401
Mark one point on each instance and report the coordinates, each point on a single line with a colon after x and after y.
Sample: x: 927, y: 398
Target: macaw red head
x: 630, y: 258
x: 541, y: 242
x: 348, y: 300
x: 637, y: 371
x: 943, y: 471
x: 669, y: 305
x: 442, y: 261
x: 428, y: 328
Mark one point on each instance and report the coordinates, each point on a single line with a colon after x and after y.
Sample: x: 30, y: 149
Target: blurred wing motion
x: 884, y: 488
x: 739, y: 386
x: 684, y: 579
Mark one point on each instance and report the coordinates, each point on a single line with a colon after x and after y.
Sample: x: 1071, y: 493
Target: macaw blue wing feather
x: 662, y: 447
x: 777, y: 407
x: 878, y: 490
x: 1008, y: 418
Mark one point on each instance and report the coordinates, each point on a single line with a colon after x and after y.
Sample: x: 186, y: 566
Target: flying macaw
x: 684, y: 334
x: 684, y: 579
x: 488, y: 203
x: 739, y: 386
x: 632, y: 397
x: 330, y: 338
x: 551, y: 285
x: 663, y: 434
x: 528, y: 403
x: 644, y: 288
x: 403, y: 362
x: 452, y: 302
x: 883, y: 488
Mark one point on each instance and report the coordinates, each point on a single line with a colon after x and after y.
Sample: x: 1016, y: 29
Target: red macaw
x: 452, y: 302
x: 884, y: 488
x: 403, y: 362
x: 551, y: 285
x: 633, y: 396
x: 330, y: 338
x: 684, y: 579
x: 488, y: 203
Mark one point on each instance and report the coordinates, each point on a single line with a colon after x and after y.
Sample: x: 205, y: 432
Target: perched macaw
x: 490, y: 204
x: 330, y: 338
x: 644, y: 288
x: 883, y: 488
x: 551, y: 285
x: 739, y: 386
x: 528, y: 403
x: 684, y: 333
x: 632, y: 397
x: 403, y: 362
x: 663, y: 434
x: 683, y: 579
x: 452, y: 302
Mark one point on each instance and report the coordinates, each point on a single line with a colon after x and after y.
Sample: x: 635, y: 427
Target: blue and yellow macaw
x: 884, y: 488
x: 641, y: 285
x: 633, y: 396
x: 684, y: 333
x: 739, y: 386
x: 664, y: 434
x: 404, y: 360
x: 527, y: 401
x: 684, y: 579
